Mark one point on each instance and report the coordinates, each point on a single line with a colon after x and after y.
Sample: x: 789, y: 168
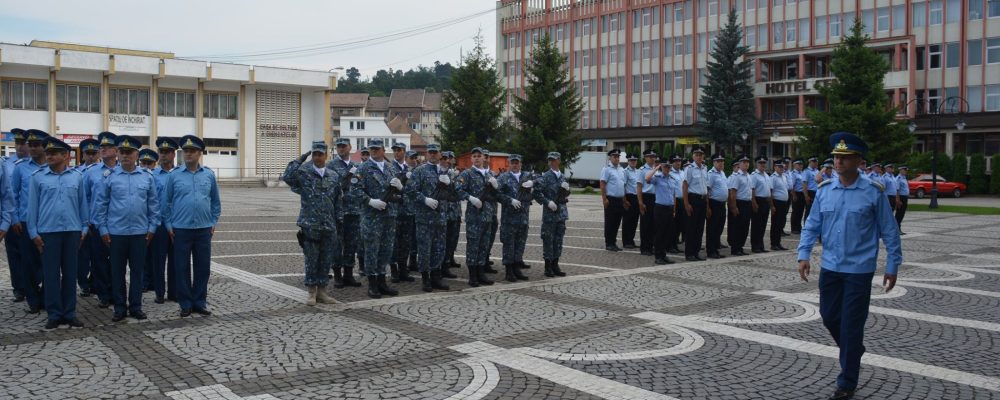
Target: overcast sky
x: 196, y: 29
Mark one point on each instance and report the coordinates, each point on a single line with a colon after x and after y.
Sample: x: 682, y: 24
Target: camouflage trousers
x: 320, y: 248
x: 430, y: 246
x: 513, y: 237
x: 378, y: 234
x: 405, y: 231
x: 552, y: 239
x: 454, y: 226
x: 350, y: 232
x: 493, y: 235
x: 477, y: 242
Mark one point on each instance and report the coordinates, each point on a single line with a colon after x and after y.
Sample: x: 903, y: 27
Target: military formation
x: 409, y: 213
x: 125, y: 220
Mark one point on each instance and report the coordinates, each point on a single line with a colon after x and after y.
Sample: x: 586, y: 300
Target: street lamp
x: 935, y: 132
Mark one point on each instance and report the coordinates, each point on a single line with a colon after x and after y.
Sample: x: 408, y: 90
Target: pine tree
x: 548, y: 115
x: 857, y: 103
x: 727, y: 105
x: 471, y: 109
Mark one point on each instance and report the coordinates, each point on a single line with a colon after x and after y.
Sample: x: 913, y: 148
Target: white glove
x: 377, y: 204
x: 444, y: 179
x: 453, y: 173
x: 493, y: 182
x: 528, y: 184
x: 395, y: 182
x: 552, y: 205
x: 409, y: 175
x: 475, y: 202
x: 658, y: 173
x: 354, y: 170
x: 516, y: 204
x: 565, y: 185
x: 433, y: 204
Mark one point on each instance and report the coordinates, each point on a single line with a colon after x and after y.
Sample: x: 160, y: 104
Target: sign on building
x: 128, y: 123
x: 278, y: 130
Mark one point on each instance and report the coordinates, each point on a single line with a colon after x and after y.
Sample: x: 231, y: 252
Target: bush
x: 589, y: 190
x: 944, y: 167
x: 995, y: 175
x: 978, y: 183
x: 959, y: 168
x: 919, y: 163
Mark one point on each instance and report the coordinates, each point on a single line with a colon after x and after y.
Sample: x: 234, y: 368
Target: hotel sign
x: 791, y: 87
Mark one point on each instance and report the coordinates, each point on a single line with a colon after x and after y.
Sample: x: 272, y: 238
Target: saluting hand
x: 804, y: 271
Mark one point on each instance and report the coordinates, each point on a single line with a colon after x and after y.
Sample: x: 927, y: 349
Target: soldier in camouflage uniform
x: 551, y: 191
x: 350, y: 228
x: 495, y: 224
x: 427, y: 183
x: 378, y: 219
x: 515, y: 196
x: 404, y: 221
x: 470, y: 186
x: 319, y: 187
x: 453, y: 213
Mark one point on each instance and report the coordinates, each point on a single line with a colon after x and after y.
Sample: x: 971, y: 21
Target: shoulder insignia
x: 879, y: 185
x: 38, y: 170
x: 20, y: 160
x: 107, y: 172
x: 826, y: 181
x: 354, y: 179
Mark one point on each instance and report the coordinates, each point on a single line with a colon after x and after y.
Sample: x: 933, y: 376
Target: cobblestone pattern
x: 639, y: 292
x: 938, y: 302
x: 429, y: 382
x: 759, y: 310
x: 626, y: 340
x: 738, y: 275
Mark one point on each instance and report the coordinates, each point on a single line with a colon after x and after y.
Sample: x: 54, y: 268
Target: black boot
x: 404, y: 274
x: 373, y: 288
x: 436, y: 281
x: 446, y: 272
x: 488, y: 269
x: 548, y: 269
x: 413, y: 263
x: 522, y: 265
x: 349, y: 277
x: 338, y: 278
x: 509, y: 273
x: 517, y: 272
x: 425, y: 282
x: 473, y: 275
x: 394, y: 272
x: 555, y: 268
x: 383, y: 288
x: 481, y: 275
x: 454, y: 264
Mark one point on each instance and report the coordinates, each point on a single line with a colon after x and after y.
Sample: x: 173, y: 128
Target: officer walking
x: 613, y: 196
x: 630, y: 218
x: 718, y: 195
x: 453, y: 213
x: 695, y: 194
x: 321, y: 198
x: 852, y: 215
x: 427, y: 183
x: 349, y: 228
x: 57, y: 221
x: 471, y: 186
x: 740, y: 206
x: 904, y: 196
x: 647, y: 201
x: 12, y: 239
x: 399, y: 270
x: 89, y: 156
x: 126, y: 214
x: 660, y: 179
x: 797, y: 191
x: 761, y: 203
x: 100, y: 261
x: 191, y: 211
x: 162, y: 266
x: 381, y: 190
x: 779, y: 198
x: 515, y: 197
x: 552, y: 191
x: 31, y: 261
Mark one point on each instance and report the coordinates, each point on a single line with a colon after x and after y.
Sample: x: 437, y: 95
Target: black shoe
x: 693, y: 258
x: 436, y: 281
x: 509, y: 273
x: 481, y: 275
x: 517, y: 272
x: 349, y: 278
x: 185, y: 312
x: 786, y: 234
x: 34, y: 309
x: 662, y: 261
x: 629, y: 246
x: 159, y: 300
x: 118, y: 317
x: 86, y: 293
x: 139, y: 315
x: 73, y: 323
x: 842, y: 394
x: 18, y: 297
x: 394, y: 273
x: 716, y: 256
x: 548, y: 269
x: 796, y: 232
x: 612, y: 248
x: 201, y: 311
x: 490, y: 263
x: 338, y: 278
x: 446, y: 272
x: 473, y: 281
x: 103, y: 304
x: 555, y: 268
x: 373, y: 288
x: 522, y: 265
x: 425, y: 282
x: 52, y: 324
x: 488, y: 269
x: 645, y: 253
x: 902, y: 233
x: 674, y: 251
x: 383, y: 288
x: 171, y: 299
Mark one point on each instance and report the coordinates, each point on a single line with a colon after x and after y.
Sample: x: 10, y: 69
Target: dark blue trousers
x: 193, y: 259
x: 83, y: 265
x: 31, y: 270
x: 12, y: 242
x: 131, y: 250
x: 843, y: 304
x: 160, y: 269
x: 100, y: 266
x: 59, y: 265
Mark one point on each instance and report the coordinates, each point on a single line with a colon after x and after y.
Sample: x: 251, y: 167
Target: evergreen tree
x: 549, y: 113
x: 727, y: 105
x: 857, y: 103
x: 471, y: 109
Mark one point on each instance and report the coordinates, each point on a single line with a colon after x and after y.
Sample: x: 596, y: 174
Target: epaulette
x: 38, y: 170
x: 20, y: 160
x: 879, y: 185
x: 826, y: 181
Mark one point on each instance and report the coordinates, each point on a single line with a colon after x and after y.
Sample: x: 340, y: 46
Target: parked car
x: 921, y: 186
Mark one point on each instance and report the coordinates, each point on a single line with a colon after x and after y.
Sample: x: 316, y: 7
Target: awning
x: 689, y: 140
x: 594, y: 142
x: 783, y: 139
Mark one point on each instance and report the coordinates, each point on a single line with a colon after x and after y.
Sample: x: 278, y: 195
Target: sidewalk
x: 972, y: 201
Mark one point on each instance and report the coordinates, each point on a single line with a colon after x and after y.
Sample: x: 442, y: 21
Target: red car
x: 921, y: 186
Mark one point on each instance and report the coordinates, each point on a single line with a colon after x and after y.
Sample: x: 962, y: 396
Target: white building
x: 253, y: 119
x: 361, y: 130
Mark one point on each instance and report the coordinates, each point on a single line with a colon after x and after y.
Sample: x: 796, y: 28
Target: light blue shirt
x: 126, y: 203
x: 761, y: 183
x: 779, y: 186
x: 740, y: 181
x: 192, y: 199
x: 718, y: 188
x: 631, y: 179
x: 57, y: 202
x: 890, y: 184
x: 696, y: 178
x: 20, y: 183
x: 796, y: 178
x: 614, y: 181
x: 851, y: 221
x: 904, y: 185
x: 677, y: 179
x: 809, y: 176
x: 646, y: 187
x: 160, y: 175
x: 664, y: 188
x: 93, y: 177
x: 7, y: 207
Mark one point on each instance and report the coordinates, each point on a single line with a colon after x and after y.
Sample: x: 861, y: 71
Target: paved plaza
x: 617, y: 327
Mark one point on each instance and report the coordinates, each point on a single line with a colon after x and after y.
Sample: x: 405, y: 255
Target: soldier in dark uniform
x: 88, y: 149
x: 495, y: 224
x: 515, y: 196
x: 31, y: 258
x: 378, y: 220
x: 630, y: 218
x: 349, y: 228
x: 399, y: 269
x: 453, y: 213
x: 12, y: 238
x: 426, y: 184
x: 100, y: 258
x: 161, y: 250
x: 552, y: 191
x: 613, y: 197
x: 718, y: 195
x: 695, y: 194
x: 471, y: 186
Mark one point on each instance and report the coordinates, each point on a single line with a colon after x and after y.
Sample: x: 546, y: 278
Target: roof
x: 401, y: 125
x: 378, y: 104
x: 432, y: 102
x: 348, y: 99
x: 406, y: 98
x: 417, y: 141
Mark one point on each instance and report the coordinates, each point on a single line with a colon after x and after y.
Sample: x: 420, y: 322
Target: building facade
x: 253, y: 119
x: 420, y: 110
x: 638, y: 64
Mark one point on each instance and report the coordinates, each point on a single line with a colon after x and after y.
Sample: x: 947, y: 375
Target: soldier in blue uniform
x: 552, y: 191
x: 12, y: 239
x: 852, y: 215
x: 661, y: 179
x: 426, y: 184
x: 695, y: 194
x: 100, y: 261
x: 718, y: 195
x: 7, y: 210
x: 319, y: 188
x: 647, y: 201
x: 798, y: 195
x: 31, y: 261
x: 779, y: 198
x: 402, y: 262
x: 471, y: 186
x: 809, y: 184
x: 891, y: 186
x: 761, y: 203
x: 349, y: 227
x: 191, y: 211
x: 454, y: 216
x: 57, y: 222
x: 680, y: 217
x: 89, y: 150
x: 740, y: 206
x: 126, y: 214
x: 613, y: 197
x: 378, y: 219
x: 495, y: 223
x: 515, y: 198
x: 903, y: 185
x: 630, y: 218
x: 161, y: 267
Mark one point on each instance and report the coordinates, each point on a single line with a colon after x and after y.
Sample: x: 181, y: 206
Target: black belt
x: 695, y: 195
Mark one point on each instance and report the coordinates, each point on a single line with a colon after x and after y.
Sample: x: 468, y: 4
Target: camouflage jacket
x: 373, y: 183
x: 321, y: 196
x: 472, y: 183
x: 510, y: 188
x: 453, y: 209
x: 547, y: 189
x: 423, y: 183
x: 352, y: 204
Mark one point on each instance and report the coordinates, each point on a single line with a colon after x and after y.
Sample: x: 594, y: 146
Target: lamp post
x: 935, y: 132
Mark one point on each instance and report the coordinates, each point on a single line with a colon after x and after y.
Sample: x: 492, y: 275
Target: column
x: 154, y: 104
x: 199, y: 109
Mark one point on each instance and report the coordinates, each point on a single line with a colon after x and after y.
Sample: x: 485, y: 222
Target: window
x: 921, y: 57
x: 224, y: 106
x: 713, y: 7
x: 679, y: 14
x: 954, y: 11
x: 790, y: 31
x: 898, y: 17
x: 974, y: 94
x: 882, y: 23
x: 668, y: 47
x: 868, y: 20
x: 804, y: 30
x: 933, y: 99
x: 934, y: 56
x: 992, y: 97
x: 128, y: 101
x: 175, y: 104
x: 975, y: 50
x: 834, y: 26
x: 993, y: 9
x: 688, y: 82
x: 779, y: 32
x: 993, y: 51
x: 678, y: 80
x: 952, y: 55
x: 78, y: 98
x: 936, y: 11
x: 762, y: 35
x: 667, y: 13
x: 919, y: 14
x: 821, y: 27
x: 668, y: 80
x: 975, y: 9
x: 678, y: 115
x: 750, y: 5
x: 750, y: 36
x: 688, y: 115
x: 18, y: 95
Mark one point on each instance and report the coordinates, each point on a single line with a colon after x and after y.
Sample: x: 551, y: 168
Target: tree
x: 471, y: 110
x: 857, y: 103
x: 978, y: 182
x: 548, y: 114
x: 995, y: 174
x: 727, y: 104
x: 959, y: 167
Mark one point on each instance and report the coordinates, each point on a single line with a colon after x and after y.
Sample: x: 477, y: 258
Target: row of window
x: 930, y: 100
x: 22, y: 95
x: 932, y: 56
x: 680, y: 114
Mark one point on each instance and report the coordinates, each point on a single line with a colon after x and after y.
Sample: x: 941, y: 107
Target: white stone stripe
x: 968, y: 323
x: 810, y: 313
x: 274, y: 231
x: 278, y: 288
x: 953, y: 289
x: 571, y: 378
x: 964, y: 271
x: 214, y: 392
x: 255, y: 241
x: 485, y: 378
x: 690, y: 341
x: 257, y: 255
x: 910, y: 367
x: 560, y: 263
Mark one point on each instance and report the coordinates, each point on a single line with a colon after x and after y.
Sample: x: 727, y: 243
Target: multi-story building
x: 420, y: 110
x: 638, y: 64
